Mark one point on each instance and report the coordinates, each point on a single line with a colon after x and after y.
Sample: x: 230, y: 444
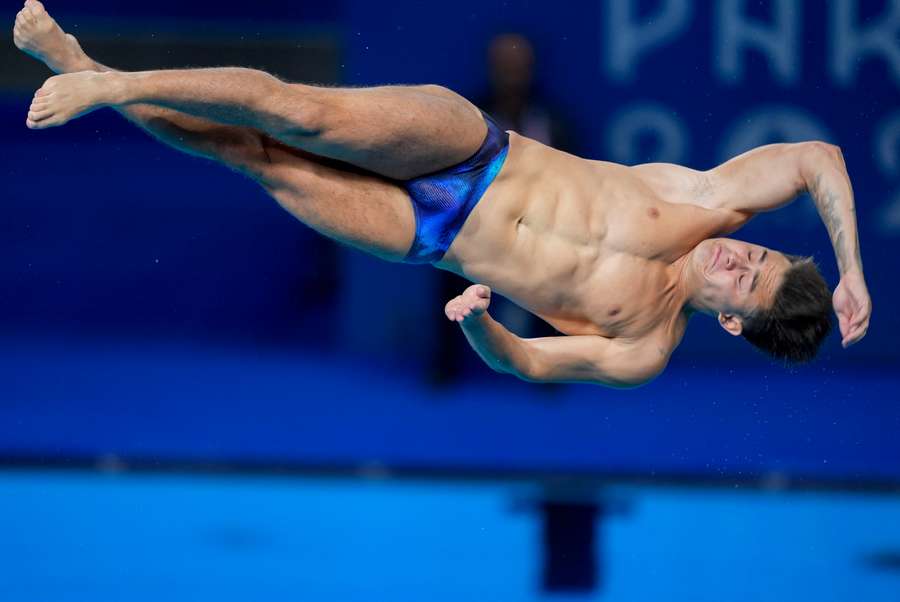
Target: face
x: 736, y: 278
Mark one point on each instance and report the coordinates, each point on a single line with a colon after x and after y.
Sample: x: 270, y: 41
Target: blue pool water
x: 73, y: 535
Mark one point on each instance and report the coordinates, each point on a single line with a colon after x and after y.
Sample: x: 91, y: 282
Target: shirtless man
x: 618, y: 258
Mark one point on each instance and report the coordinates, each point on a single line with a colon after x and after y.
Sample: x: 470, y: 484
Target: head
x: 779, y: 303
x: 511, y: 59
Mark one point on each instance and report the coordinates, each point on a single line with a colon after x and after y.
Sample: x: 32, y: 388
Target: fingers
x: 855, y: 335
x: 852, y: 340
x: 843, y: 324
x: 853, y: 326
x: 454, y: 309
x: 465, y: 306
x: 859, y: 320
x: 458, y: 315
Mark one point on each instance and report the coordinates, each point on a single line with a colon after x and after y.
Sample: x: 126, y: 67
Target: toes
x: 40, y: 125
x: 37, y: 116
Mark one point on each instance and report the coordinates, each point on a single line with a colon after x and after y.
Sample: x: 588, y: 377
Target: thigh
x: 352, y: 207
x: 399, y: 132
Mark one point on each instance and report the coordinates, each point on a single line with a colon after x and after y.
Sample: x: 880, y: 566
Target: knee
x: 242, y: 150
x: 299, y: 111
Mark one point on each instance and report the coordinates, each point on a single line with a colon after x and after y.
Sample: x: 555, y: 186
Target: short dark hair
x: 799, y: 319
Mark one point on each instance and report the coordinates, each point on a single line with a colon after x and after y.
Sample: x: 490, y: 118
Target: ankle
x: 81, y: 64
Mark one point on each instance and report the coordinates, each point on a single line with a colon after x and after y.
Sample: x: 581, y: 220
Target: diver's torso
x: 583, y: 244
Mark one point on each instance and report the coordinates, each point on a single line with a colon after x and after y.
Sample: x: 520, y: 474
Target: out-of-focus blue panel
x: 105, y: 232
x: 71, y: 398
x: 108, y: 231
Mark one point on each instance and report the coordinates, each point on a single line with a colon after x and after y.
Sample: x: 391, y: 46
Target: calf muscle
x: 237, y: 147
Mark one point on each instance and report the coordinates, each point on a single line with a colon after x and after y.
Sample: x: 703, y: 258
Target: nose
x: 733, y: 261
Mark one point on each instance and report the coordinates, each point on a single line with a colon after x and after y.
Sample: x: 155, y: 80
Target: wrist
x: 476, y: 323
x: 852, y: 272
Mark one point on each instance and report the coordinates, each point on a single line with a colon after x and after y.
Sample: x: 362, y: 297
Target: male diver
x: 617, y: 258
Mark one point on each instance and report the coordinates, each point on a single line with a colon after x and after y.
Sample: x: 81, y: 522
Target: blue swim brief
x: 443, y: 200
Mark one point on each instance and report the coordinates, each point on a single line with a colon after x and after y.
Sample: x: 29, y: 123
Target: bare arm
x: 586, y: 359
x: 765, y: 179
x: 770, y: 177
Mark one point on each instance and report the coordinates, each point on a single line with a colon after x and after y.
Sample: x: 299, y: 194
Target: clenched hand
x: 853, y: 307
x: 472, y: 303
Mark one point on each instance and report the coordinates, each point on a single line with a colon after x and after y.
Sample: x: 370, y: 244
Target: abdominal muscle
x: 542, y: 236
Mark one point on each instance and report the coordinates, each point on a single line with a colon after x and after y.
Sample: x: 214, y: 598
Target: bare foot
x: 37, y: 34
x: 65, y: 97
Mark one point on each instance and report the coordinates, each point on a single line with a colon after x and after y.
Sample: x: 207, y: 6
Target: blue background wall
x: 159, y: 312
x: 202, y: 291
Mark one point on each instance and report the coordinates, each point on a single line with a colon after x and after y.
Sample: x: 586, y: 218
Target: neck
x: 687, y: 285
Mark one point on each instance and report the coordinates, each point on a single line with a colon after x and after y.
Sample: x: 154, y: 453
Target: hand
x: 472, y: 303
x: 853, y: 307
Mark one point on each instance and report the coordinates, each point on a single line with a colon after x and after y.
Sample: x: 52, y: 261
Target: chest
x: 625, y: 296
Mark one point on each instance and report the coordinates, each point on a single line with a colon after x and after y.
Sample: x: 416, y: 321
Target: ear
x: 732, y: 324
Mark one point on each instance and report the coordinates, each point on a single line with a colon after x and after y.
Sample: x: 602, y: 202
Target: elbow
x: 627, y: 384
x: 821, y: 150
x: 529, y: 372
x: 525, y: 375
x: 633, y: 379
x: 814, y: 156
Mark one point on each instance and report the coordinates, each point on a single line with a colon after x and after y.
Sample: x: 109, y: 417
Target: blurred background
x: 200, y: 397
